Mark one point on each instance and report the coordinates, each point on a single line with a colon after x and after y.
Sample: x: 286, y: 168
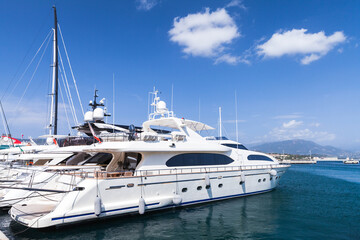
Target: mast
x: 7, y: 129
x: 55, y: 81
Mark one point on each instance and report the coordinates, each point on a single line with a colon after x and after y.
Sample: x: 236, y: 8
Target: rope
x: 72, y: 74
x: 71, y: 103
x: 37, y: 66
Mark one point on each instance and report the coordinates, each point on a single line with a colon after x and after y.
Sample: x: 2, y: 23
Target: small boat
x: 351, y: 161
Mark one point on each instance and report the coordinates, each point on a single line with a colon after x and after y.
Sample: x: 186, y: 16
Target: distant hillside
x: 301, y: 147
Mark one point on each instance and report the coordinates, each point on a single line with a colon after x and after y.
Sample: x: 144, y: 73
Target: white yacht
x: 152, y: 170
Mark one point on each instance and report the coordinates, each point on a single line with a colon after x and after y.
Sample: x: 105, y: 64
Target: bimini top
x: 176, y: 123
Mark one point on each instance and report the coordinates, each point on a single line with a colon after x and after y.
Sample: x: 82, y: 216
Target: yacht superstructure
x: 152, y: 170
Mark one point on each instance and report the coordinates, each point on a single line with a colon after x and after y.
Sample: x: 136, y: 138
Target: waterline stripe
x: 182, y: 204
x: 87, y: 214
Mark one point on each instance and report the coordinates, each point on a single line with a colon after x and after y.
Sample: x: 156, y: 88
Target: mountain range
x: 301, y: 147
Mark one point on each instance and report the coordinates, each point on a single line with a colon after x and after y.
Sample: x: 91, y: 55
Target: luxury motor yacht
x: 152, y: 170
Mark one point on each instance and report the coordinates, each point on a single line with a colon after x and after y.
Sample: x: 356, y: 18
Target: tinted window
x: 259, y: 158
x: 101, y: 158
x: 237, y: 146
x: 198, y: 159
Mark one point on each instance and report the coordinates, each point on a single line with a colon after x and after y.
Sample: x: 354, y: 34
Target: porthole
x: 199, y: 188
x: 208, y: 186
x: 264, y: 179
x: 259, y: 180
x: 130, y: 185
x: 184, y: 190
x: 276, y: 178
x: 270, y: 178
x: 241, y: 182
x: 220, y: 185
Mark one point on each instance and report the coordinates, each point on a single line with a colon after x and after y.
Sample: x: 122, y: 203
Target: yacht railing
x: 156, y: 172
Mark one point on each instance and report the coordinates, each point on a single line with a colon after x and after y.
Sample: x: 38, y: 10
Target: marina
x: 261, y: 216
x: 149, y: 119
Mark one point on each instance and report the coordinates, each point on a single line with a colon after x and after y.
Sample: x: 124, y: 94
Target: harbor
x: 260, y: 216
x: 149, y: 119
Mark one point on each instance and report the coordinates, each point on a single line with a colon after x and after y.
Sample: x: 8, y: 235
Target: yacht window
x: 101, y: 158
x: 198, y: 159
x: 220, y: 185
x: 184, y: 190
x: 237, y: 146
x: 199, y: 188
x: 259, y: 158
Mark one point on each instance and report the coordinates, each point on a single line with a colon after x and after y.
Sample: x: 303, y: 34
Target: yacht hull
x: 139, y: 194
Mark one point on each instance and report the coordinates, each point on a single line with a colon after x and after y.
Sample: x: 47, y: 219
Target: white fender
x: 141, y: 206
x: 207, y: 180
x: 177, y: 199
x: 272, y: 172
x: 242, y: 177
x: 97, y: 206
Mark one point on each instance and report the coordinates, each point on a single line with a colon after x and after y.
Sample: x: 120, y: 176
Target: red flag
x: 93, y: 133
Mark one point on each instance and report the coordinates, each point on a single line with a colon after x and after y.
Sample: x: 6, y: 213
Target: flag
x: 93, y: 133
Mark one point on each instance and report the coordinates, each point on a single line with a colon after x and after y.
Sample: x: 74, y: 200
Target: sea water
x: 320, y: 201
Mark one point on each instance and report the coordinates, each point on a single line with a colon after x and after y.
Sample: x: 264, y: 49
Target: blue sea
x: 320, y: 201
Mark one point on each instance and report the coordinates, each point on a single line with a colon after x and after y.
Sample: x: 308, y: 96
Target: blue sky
x: 294, y: 64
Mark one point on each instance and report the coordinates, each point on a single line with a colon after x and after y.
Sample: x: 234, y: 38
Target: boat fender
x: 141, y: 206
x: 207, y: 180
x: 272, y: 172
x: 97, y: 206
x: 242, y: 177
x: 177, y: 199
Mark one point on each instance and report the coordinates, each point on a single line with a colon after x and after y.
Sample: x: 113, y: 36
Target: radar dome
x: 98, y: 114
x: 161, y: 107
x: 49, y: 141
x: 88, y: 117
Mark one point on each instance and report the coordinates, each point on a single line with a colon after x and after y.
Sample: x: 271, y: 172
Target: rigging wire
x: 48, y: 36
x: 22, y: 61
x: 71, y: 103
x: 66, y: 114
x: 72, y: 74
x: 37, y: 66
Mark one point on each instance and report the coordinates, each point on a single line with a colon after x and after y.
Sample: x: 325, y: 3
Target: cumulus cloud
x: 294, y: 130
x: 146, y: 5
x: 206, y: 34
x: 311, y: 46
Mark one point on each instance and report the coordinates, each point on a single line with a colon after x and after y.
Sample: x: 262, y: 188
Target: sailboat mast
x: 56, y: 72
x: 55, y: 80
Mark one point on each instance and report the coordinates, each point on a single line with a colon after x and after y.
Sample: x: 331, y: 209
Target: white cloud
x: 315, y: 124
x: 146, y: 5
x: 205, y: 34
x: 289, y: 116
x: 292, y: 130
x: 30, y: 117
x: 230, y: 59
x: 236, y: 3
x: 292, y: 124
x: 299, y: 42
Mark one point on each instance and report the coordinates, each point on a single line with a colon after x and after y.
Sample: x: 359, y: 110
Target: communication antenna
x: 220, y: 124
x: 113, y: 101
x: 236, y: 119
x: 172, y: 96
